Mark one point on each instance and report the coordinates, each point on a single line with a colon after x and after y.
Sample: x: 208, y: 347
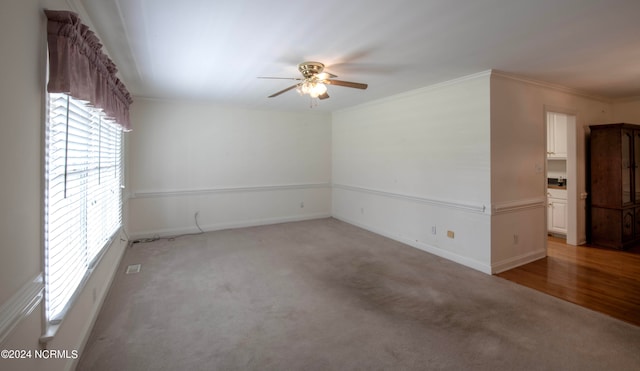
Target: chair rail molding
x: 239, y: 189
x: 519, y: 205
x: 456, y: 205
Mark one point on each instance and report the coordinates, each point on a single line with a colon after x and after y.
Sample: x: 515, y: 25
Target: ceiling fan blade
x: 283, y: 91
x: 348, y: 84
x: 280, y: 78
x: 326, y: 75
x: 323, y: 96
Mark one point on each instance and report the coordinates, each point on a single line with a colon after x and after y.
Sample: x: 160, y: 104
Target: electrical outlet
x: 450, y: 234
x: 515, y: 239
x: 302, y: 205
x: 433, y: 229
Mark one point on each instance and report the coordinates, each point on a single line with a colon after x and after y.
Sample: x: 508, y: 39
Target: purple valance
x: 78, y: 67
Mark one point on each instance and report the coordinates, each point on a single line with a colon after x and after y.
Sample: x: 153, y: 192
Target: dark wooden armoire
x: 615, y: 185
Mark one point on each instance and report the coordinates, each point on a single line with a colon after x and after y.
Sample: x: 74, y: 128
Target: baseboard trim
x: 471, y: 263
x: 517, y: 261
x: 206, y: 191
x: 480, y: 209
x: 168, y: 232
x: 20, y: 305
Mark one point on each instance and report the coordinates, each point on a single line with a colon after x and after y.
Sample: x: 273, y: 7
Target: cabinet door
x: 557, y: 214
x: 637, y: 221
x: 556, y: 135
x: 560, y: 136
x: 550, y: 134
x: 549, y: 215
x: 627, y: 170
x: 606, y: 227
x: 635, y: 165
x: 627, y: 224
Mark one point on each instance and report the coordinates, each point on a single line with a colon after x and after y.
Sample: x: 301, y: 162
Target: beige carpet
x: 325, y: 295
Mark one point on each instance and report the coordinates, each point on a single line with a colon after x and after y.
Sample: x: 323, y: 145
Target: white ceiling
x: 214, y: 50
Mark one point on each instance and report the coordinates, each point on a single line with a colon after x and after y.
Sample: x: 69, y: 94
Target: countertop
x: 556, y: 187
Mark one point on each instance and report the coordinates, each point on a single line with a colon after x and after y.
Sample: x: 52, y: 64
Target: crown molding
x: 627, y: 99
x: 551, y: 86
x: 418, y: 91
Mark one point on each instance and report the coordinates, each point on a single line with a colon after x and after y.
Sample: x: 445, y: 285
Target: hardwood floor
x: 603, y: 280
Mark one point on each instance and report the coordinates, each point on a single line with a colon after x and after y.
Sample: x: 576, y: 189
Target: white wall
x: 437, y: 156
x: 236, y: 167
x: 419, y: 160
x: 627, y: 110
x: 20, y: 144
x: 518, y: 157
x: 23, y: 33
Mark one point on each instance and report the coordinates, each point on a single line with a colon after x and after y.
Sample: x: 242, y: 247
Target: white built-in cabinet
x: 556, y: 135
x: 557, y: 216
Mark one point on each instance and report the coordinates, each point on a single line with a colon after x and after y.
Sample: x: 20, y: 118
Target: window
x: 83, y: 196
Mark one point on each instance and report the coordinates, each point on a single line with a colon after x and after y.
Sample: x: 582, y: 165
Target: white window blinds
x: 83, y: 196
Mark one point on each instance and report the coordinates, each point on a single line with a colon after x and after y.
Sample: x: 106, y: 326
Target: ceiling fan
x: 314, y: 81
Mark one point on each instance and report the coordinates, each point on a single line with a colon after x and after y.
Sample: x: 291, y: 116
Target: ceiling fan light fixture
x: 314, y: 82
x: 303, y: 88
x: 317, y: 90
x: 312, y: 88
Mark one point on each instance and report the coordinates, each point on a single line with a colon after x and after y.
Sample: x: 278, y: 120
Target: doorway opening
x: 562, y: 176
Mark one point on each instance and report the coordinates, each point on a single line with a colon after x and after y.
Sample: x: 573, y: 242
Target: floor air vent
x: 134, y: 268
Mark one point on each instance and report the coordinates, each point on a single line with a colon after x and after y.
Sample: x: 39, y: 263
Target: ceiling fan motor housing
x: 310, y: 69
